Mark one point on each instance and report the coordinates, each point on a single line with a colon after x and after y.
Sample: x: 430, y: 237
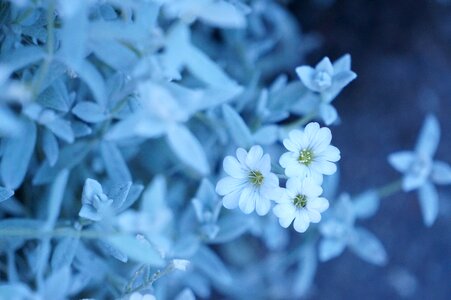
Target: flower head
x: 421, y: 172
x: 94, y: 201
x: 250, y: 184
x: 302, y: 203
x: 310, y: 153
x: 327, y: 80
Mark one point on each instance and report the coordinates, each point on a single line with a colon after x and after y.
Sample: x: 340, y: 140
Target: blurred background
x: 401, y: 51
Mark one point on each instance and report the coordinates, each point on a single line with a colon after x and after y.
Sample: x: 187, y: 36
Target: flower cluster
x: 251, y: 185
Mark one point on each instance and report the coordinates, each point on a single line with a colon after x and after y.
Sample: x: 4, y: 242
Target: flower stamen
x: 256, y: 178
x: 305, y: 157
x: 300, y: 201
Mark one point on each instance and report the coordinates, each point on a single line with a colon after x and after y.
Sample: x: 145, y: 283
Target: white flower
x: 302, y: 203
x: 311, y: 154
x: 250, y: 184
x: 138, y: 296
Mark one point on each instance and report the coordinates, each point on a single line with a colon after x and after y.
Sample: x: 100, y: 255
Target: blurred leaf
x: 17, y: 154
x: 368, y: 247
x: 188, y: 149
x: 238, y: 130
x: 137, y: 249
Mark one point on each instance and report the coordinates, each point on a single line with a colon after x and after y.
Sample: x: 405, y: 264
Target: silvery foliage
x: 115, y: 117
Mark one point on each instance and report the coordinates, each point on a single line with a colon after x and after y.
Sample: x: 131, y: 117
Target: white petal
x: 298, y: 137
x: 314, y: 216
x: 241, y: 155
x: 233, y: 168
x: 264, y: 165
x: 319, y: 204
x: 296, y: 170
x: 263, y: 205
x: 311, y: 130
x: 331, y: 154
x: 291, y: 145
x: 322, y: 140
x: 285, y: 210
x: 253, y: 156
x: 302, y: 221
x: 285, y: 215
x: 248, y: 198
x: 230, y: 201
x: 286, y: 159
x: 229, y: 184
x: 315, y: 176
x: 324, y: 167
x: 311, y: 188
x: 402, y: 160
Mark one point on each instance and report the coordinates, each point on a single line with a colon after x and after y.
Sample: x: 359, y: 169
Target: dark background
x: 401, y: 51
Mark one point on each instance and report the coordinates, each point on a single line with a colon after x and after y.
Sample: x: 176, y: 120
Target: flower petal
x: 441, y: 173
x: 233, y: 168
x: 247, y: 201
x: 262, y: 206
x: 325, y: 65
x: 229, y: 184
x: 302, y: 221
x: 230, y: 201
x: 253, y: 156
x: 314, y: 216
x: 319, y: 204
x: 241, y: 155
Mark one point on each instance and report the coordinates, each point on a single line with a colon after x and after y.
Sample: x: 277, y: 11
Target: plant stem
x: 390, y: 188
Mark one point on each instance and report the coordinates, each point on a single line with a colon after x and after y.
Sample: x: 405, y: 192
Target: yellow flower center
x: 256, y: 178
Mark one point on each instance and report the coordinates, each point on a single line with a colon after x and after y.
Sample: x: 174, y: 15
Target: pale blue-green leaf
x: 429, y: 137
x: 62, y: 129
x: 306, y: 271
x: 330, y: 248
x: 222, y: 14
x: 136, y: 249
x: 93, y: 79
x: 50, y: 147
x: 343, y: 63
x: 133, y: 195
x: 56, y: 197
x: 17, y: 153
x: 188, y: 149
x: 366, y: 204
x: 113, y: 251
x: 441, y: 173
x: 57, y: 284
x: 5, y: 193
x: 114, y: 163
x: 118, y: 191
x: 89, y: 112
x: 231, y: 227
x: 238, y: 129
x: 266, y: 135
x: 206, y: 70
x: 367, y: 246
x: 55, y: 97
x: 155, y: 195
x: 123, y: 59
x: 209, y: 262
x: 186, y: 294
x: 15, y: 291
x: 20, y: 58
x: 64, y: 252
x: 73, y: 34
x: 69, y: 157
x: 80, y: 129
x: 428, y: 197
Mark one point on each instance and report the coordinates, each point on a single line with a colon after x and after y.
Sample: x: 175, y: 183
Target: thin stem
x: 301, y: 121
x: 157, y: 275
x: 31, y: 233
x: 390, y: 189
